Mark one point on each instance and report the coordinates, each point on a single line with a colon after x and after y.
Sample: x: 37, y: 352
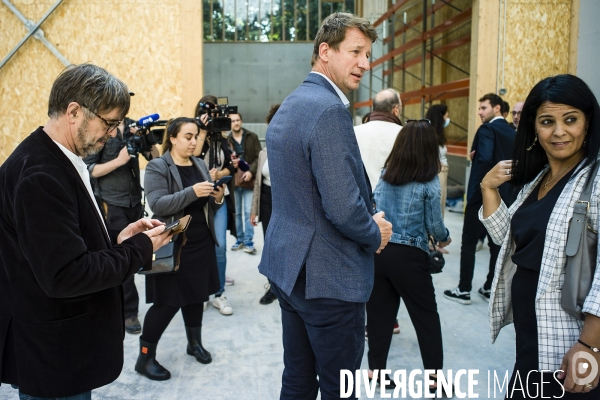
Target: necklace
x: 559, y: 174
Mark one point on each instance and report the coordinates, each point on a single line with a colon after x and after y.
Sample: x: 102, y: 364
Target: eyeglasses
x: 514, y: 113
x: 110, y: 125
x: 417, y: 120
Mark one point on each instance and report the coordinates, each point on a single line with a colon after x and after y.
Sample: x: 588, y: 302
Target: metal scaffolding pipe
x: 30, y: 33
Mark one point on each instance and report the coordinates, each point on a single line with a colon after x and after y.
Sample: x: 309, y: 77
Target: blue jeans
x: 81, y: 396
x: 221, y: 232
x: 320, y: 337
x: 243, y: 195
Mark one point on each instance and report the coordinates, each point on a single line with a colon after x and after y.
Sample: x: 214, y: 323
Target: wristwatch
x: 594, y: 349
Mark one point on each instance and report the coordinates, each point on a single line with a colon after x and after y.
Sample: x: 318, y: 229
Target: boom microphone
x: 207, y: 106
x: 148, y: 119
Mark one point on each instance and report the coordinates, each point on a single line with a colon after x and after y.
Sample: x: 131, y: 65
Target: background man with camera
x: 116, y: 172
x: 246, y: 146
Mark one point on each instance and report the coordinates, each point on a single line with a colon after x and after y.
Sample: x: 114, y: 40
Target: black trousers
x: 402, y: 272
x: 265, y: 207
x: 158, y: 318
x: 117, y: 218
x: 473, y: 229
x: 523, y: 289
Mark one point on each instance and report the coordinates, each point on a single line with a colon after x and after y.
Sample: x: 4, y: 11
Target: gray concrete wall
x: 255, y: 75
x: 588, y: 56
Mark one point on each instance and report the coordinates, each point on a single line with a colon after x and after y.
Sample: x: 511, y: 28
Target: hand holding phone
x: 179, y: 225
x: 222, y: 181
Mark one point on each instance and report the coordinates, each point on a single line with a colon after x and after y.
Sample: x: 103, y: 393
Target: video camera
x: 217, y: 120
x: 151, y: 131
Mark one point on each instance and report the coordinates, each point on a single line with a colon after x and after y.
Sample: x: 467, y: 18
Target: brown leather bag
x: 239, y: 182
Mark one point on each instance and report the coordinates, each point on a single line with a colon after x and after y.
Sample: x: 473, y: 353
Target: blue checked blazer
x: 322, y: 214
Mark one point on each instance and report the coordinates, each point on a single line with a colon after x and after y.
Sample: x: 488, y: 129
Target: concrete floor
x: 247, y: 350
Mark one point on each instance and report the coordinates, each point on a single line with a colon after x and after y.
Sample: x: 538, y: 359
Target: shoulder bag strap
x: 169, y: 182
x: 579, y: 220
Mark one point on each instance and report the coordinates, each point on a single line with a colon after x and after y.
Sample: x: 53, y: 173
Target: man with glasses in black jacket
x: 116, y: 177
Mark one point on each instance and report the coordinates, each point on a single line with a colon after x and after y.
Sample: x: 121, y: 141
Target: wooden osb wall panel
x: 537, y: 37
x: 538, y: 44
x: 25, y: 80
x: 574, y: 36
x: 140, y: 43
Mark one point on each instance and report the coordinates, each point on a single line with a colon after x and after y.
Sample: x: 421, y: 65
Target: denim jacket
x: 414, y: 210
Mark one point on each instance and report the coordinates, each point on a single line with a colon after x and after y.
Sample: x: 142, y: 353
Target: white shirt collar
x: 74, y: 158
x: 495, y: 118
x: 337, y: 89
x: 84, y: 174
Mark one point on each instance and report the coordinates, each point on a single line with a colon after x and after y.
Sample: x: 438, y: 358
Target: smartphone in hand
x: 222, y: 181
x: 179, y: 225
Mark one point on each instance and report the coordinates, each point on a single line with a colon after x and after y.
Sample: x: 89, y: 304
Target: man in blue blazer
x: 493, y: 142
x: 322, y: 236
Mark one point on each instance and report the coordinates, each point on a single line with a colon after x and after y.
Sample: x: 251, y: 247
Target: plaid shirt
x: 557, y: 330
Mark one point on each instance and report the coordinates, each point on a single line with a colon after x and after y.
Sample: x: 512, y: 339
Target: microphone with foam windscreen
x: 243, y: 165
x: 207, y: 106
x: 148, y: 119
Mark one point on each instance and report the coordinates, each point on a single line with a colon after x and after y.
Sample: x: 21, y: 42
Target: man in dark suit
x: 493, y: 142
x: 322, y: 236
x: 61, y: 311
x: 516, y: 114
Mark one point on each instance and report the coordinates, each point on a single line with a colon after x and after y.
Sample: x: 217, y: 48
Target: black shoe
x: 148, y: 366
x: 194, y: 347
x: 458, y: 296
x: 391, y: 385
x: 269, y: 296
x: 485, y: 294
x: 132, y: 325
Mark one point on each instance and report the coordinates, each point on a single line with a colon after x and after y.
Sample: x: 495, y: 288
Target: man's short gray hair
x: 333, y: 31
x: 386, y: 100
x: 90, y: 86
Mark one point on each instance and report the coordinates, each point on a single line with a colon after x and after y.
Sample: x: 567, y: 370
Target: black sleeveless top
x: 529, y: 224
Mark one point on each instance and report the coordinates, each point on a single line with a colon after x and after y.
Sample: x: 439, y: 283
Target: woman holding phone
x: 179, y: 184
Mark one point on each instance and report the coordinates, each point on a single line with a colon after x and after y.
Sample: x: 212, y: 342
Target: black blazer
x: 61, y: 303
x: 493, y: 142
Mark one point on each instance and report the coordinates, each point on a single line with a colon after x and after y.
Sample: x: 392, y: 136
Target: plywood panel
x: 138, y: 41
x: 537, y: 36
x: 191, y: 54
x: 574, y: 36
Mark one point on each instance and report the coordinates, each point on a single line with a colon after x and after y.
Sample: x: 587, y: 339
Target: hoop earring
x: 534, y: 142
